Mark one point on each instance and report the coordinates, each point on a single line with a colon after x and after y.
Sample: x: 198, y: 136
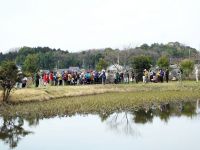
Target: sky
x: 76, y: 25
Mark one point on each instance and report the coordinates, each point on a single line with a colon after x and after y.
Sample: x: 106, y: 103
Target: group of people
x: 69, y: 78
x: 122, y: 77
x: 95, y: 77
x: 156, y: 76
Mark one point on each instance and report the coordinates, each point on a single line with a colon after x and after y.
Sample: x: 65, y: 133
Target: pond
x: 169, y: 126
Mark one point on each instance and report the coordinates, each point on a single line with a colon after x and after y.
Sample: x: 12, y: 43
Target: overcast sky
x: 77, y: 25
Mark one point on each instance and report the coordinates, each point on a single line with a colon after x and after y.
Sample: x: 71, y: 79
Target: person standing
x: 132, y: 76
x: 59, y: 76
x: 197, y: 74
x: 161, y: 75
x: 51, y: 78
x: 24, y: 81
x: 126, y: 76
x: 103, y: 76
x: 37, y: 78
x: 145, y: 77
x: 167, y: 75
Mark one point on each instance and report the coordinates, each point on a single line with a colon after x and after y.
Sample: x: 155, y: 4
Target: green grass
x: 100, y: 99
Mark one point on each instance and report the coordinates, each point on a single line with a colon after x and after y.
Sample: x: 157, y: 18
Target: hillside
x: 50, y: 58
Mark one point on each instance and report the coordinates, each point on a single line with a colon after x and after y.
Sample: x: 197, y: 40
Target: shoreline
x: 56, y: 92
x: 98, y: 99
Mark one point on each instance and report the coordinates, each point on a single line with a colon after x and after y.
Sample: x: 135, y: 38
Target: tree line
x: 35, y: 58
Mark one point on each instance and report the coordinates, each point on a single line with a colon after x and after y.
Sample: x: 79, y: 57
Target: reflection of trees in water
x: 189, y: 109
x: 32, y: 121
x: 122, y: 123
x: 164, y: 112
x: 143, y: 116
x: 182, y: 109
x: 12, y: 131
x: 104, y: 115
x: 125, y: 122
x: 12, y: 128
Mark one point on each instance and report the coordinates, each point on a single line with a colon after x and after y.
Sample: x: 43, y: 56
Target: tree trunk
x: 6, y: 94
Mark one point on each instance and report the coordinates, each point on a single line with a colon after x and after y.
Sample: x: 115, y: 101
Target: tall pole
x: 189, y: 53
x: 198, y: 55
x: 58, y: 65
x: 118, y: 58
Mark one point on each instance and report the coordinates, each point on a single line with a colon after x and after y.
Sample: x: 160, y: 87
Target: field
x: 68, y: 100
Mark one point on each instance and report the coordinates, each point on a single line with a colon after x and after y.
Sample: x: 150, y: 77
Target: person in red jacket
x: 45, y: 79
x: 51, y: 78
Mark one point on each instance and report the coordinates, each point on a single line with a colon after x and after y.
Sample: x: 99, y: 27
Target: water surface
x: 171, y: 126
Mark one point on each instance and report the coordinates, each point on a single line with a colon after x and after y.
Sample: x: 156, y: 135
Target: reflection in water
x: 32, y: 121
x: 198, y: 107
x: 12, y: 131
x: 164, y: 112
x: 123, y: 122
x: 143, y: 116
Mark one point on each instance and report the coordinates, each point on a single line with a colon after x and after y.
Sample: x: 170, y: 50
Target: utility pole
x: 189, y: 53
x: 58, y: 65
x: 198, y: 55
x: 118, y: 58
x: 83, y: 64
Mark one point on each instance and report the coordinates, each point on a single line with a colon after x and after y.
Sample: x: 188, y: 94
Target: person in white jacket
x: 197, y: 74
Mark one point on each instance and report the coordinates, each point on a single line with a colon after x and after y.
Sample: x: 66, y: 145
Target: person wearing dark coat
x: 167, y: 75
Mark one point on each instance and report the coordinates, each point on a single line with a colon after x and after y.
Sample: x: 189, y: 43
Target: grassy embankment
x: 51, y: 101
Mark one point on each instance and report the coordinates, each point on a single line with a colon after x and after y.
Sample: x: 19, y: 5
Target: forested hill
x: 48, y: 58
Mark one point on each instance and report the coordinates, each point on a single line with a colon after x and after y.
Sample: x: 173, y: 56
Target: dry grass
x: 96, y: 98
x: 52, y: 92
